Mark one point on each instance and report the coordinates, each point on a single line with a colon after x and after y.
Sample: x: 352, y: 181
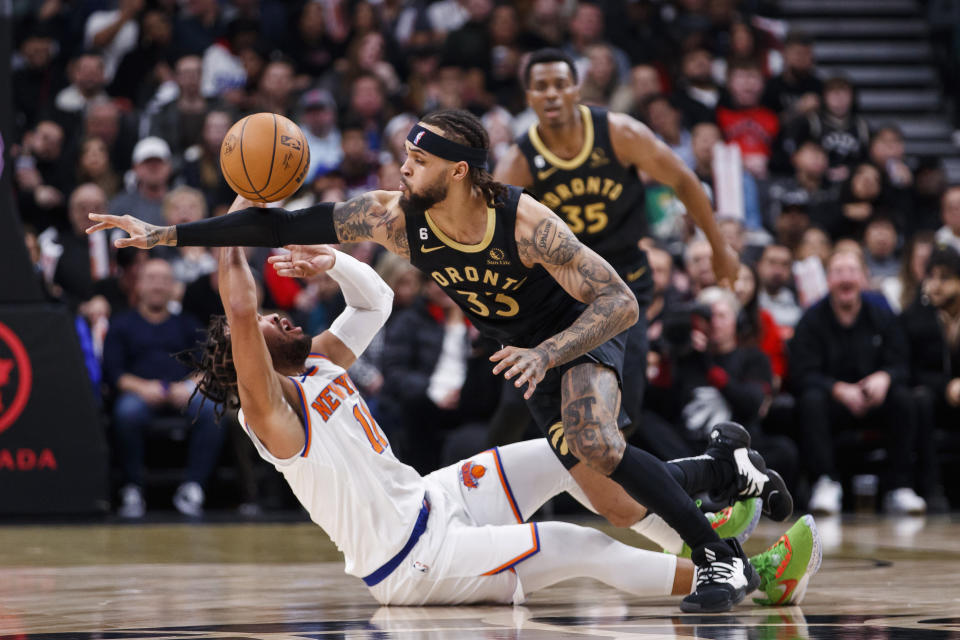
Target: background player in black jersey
x: 582, y: 163
x: 449, y: 198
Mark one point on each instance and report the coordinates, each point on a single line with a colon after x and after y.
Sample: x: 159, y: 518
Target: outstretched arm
x: 369, y: 299
x: 260, y: 387
x: 636, y: 145
x: 544, y: 239
x: 372, y: 216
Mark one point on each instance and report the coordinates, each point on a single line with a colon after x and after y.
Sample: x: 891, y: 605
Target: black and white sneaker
x: 729, y: 440
x: 724, y: 577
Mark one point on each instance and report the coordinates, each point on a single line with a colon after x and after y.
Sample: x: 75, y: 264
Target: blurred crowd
x: 839, y: 349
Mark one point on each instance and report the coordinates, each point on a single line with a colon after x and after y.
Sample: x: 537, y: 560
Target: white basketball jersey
x: 347, y: 477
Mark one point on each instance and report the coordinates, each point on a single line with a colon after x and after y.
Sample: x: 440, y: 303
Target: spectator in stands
x: 815, y: 242
x: 275, y: 89
x: 146, y: 68
x: 774, y: 275
x: 310, y: 47
x: 318, y: 121
x: 743, y: 120
x: 585, y: 29
x: 224, y: 73
x: 697, y: 259
x: 200, y: 25
x: 103, y: 119
x: 808, y: 182
x: 368, y: 106
x: 79, y: 260
x: 112, y: 33
x: 795, y: 93
x: 703, y: 140
x: 756, y: 326
x: 929, y: 184
x: 180, y: 121
x: 697, y: 94
x: 644, y: 82
x: 713, y: 378
x: 87, y: 82
x: 850, y: 364
x: 201, y: 169
x: 932, y: 327
x: 879, y: 251
x: 949, y: 233
x: 836, y: 127
x: 93, y: 165
x: 43, y: 177
x: 149, y: 382
x: 601, y: 85
x: 151, y: 164
x: 180, y: 206
x: 34, y: 82
x: 904, y: 289
x: 887, y: 153
x: 861, y: 196
x: 359, y: 165
x: 665, y: 121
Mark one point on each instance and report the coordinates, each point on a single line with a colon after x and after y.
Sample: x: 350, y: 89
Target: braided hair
x: 218, y: 377
x: 465, y: 128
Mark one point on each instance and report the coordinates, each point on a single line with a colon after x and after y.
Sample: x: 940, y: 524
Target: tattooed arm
x: 372, y: 216
x: 544, y: 239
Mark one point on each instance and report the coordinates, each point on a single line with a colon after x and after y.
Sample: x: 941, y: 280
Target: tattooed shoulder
x: 551, y: 242
x: 366, y: 217
x: 354, y: 219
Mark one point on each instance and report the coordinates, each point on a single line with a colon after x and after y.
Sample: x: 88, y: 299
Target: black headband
x: 447, y: 149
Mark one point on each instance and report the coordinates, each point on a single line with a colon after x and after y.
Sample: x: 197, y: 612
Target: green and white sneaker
x: 736, y: 521
x: 786, y: 567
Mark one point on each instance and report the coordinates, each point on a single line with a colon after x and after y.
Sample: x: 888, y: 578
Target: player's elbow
x: 627, y: 307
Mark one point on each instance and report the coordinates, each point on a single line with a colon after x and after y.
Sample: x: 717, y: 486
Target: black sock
x: 653, y: 484
x: 702, y: 473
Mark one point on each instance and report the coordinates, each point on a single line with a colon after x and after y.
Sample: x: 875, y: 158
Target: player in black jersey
x: 582, y: 162
x: 521, y: 275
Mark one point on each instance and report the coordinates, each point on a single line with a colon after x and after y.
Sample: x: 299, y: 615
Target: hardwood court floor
x: 881, y: 578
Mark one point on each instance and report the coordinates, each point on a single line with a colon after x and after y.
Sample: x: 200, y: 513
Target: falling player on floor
x: 525, y: 280
x: 455, y: 536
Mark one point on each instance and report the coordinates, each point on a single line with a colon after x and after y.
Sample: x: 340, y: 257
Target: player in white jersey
x: 458, y: 535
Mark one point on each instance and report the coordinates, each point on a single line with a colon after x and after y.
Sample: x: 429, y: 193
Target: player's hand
x: 304, y: 260
x: 142, y: 235
x: 726, y: 265
x: 529, y: 364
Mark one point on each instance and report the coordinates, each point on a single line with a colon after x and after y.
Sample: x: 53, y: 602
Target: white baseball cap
x: 151, y: 147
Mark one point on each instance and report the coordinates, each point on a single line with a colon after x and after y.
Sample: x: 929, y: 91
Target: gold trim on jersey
x: 581, y: 157
x: 467, y: 248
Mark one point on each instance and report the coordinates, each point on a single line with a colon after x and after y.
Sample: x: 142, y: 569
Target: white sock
x: 656, y: 530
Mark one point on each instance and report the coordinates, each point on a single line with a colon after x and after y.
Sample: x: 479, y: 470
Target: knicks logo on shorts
x: 471, y: 473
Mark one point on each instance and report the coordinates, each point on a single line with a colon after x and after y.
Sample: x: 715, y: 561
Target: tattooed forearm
x: 165, y: 236
x: 611, y: 309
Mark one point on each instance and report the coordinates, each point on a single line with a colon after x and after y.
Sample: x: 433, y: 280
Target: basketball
x: 264, y: 157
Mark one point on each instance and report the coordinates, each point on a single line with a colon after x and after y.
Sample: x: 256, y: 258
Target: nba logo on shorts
x: 471, y: 473
x: 416, y: 139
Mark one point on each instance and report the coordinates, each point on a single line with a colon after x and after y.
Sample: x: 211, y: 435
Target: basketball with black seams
x: 264, y: 157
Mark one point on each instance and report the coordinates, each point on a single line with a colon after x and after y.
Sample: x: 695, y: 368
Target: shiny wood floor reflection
x: 880, y: 579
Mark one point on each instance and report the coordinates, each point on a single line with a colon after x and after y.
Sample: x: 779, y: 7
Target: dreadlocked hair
x: 213, y: 360
x: 465, y: 128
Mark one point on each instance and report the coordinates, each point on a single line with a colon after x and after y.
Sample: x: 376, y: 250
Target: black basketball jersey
x: 601, y: 200
x: 504, y: 299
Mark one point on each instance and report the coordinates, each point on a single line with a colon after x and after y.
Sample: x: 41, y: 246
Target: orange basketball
x: 264, y: 157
